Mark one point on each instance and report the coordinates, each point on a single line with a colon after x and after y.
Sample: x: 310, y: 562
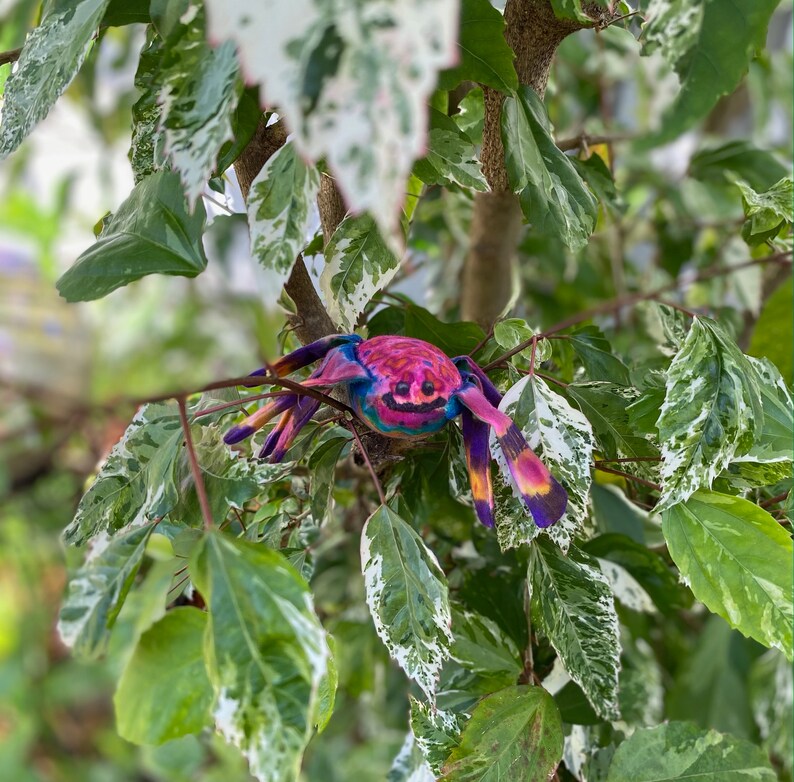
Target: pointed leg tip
x: 484, y: 513
x: 547, y: 509
x: 237, y: 434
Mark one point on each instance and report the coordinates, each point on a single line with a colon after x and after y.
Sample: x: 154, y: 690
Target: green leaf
x: 737, y: 560
x: 770, y: 686
x: 711, y: 690
x: 681, y: 751
x: 407, y: 596
x: 485, y: 57
x: 772, y: 335
x: 572, y: 9
x: 410, y: 764
x: 137, y: 482
x: 514, y: 735
x: 266, y: 652
x: 606, y: 408
x: 146, y: 146
x: 711, y: 410
x: 562, y: 437
x: 553, y: 196
x: 709, y: 44
x: 50, y: 59
x: 455, y: 339
x: 471, y: 115
x: 96, y: 592
x: 645, y: 566
x: 151, y: 233
x: 512, y: 332
x: 245, y: 120
x: 322, y: 468
x: 358, y: 264
x: 595, y: 352
x: 451, y: 158
x: 766, y: 212
x: 199, y: 88
x: 164, y: 691
x: 280, y: 207
x: 572, y: 604
x: 737, y: 159
x: 480, y: 645
x: 123, y: 12
x: 437, y: 732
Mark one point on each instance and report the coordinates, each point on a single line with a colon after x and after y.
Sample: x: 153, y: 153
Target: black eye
x: 402, y: 388
x: 428, y: 388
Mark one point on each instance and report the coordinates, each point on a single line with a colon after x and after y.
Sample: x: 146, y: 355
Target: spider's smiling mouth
x: 409, y: 407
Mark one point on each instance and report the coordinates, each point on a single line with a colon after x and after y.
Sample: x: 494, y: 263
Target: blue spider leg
x: 478, y: 461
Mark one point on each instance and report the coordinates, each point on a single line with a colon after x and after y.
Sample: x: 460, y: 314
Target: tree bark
x: 533, y: 32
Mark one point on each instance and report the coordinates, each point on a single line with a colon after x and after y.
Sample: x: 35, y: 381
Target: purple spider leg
x: 543, y: 495
x: 259, y: 418
x: 478, y: 460
x: 301, y: 415
x: 308, y: 354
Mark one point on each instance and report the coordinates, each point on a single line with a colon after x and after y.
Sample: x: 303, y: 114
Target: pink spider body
x: 405, y: 387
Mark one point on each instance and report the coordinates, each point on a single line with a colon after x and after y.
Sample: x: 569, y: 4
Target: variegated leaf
x: 573, y: 605
x: 711, y: 409
x: 352, y: 81
x: 410, y: 764
x: 200, y: 88
x: 280, y: 209
x: 50, y: 59
x: 437, y: 732
x: 407, y: 596
x: 358, y: 264
x: 563, y: 438
x: 266, y: 653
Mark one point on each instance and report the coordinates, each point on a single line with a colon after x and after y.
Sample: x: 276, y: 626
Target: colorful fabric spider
x: 404, y: 387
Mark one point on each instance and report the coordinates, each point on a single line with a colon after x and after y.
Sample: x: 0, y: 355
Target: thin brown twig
x: 198, y: 478
x: 627, y: 476
x: 774, y: 500
x: 634, y: 298
x: 240, y: 402
x: 352, y: 427
x: 10, y: 56
x: 552, y: 379
x: 567, y: 144
x: 481, y: 344
x: 629, y: 459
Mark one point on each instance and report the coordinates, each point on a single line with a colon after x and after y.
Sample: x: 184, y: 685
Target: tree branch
x: 10, y: 56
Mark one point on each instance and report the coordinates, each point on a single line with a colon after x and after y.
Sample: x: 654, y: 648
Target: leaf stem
x: 10, y: 56
x: 365, y: 455
x: 773, y: 500
x: 198, y: 478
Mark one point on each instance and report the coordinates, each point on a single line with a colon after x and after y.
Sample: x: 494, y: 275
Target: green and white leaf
x: 771, y: 688
x: 682, y: 751
x: 485, y: 56
x: 572, y: 604
x: 514, y: 735
x: 151, y: 233
x: 280, y: 205
x: 266, y: 653
x: 407, y: 595
x: 710, y: 412
x: 709, y: 44
x: 96, y: 592
x: 137, y: 482
x: 358, y: 265
x: 200, y: 87
x: 322, y: 466
x: 50, y: 59
x: 436, y: 731
x: 353, y: 80
x: 511, y: 332
x: 625, y: 587
x: 766, y: 212
x: 164, y: 691
x: 410, y: 764
x: 563, y: 438
x: 737, y: 560
x: 553, y: 196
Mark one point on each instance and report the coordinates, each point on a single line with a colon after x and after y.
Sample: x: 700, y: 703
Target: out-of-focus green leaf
x: 96, y: 592
x: 599, y: 178
x: 711, y: 690
x: 137, y: 482
x: 455, y: 339
x: 511, y: 332
x: 553, y: 196
x: 767, y: 212
x: 407, y: 596
x: 711, y: 411
x: 123, y: 12
x: 514, y: 735
x: 198, y: 91
x: 322, y: 464
x: 573, y: 605
x: 563, y: 438
x: 358, y: 264
x: 50, y: 59
x: 772, y: 335
x: 770, y: 690
x: 681, y: 751
x: 485, y: 57
x: 471, y: 115
x: 451, y: 157
x: 709, y: 43
x: 151, y: 233
x: 266, y: 652
x: 480, y: 646
x: 280, y: 207
x: 737, y: 560
x: 738, y: 159
x: 164, y: 691
x: 146, y: 145
x: 596, y: 354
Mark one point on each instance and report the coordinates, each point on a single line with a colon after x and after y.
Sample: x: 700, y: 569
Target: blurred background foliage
x: 69, y: 378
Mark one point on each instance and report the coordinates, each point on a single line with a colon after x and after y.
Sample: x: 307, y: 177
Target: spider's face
x: 413, y: 383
